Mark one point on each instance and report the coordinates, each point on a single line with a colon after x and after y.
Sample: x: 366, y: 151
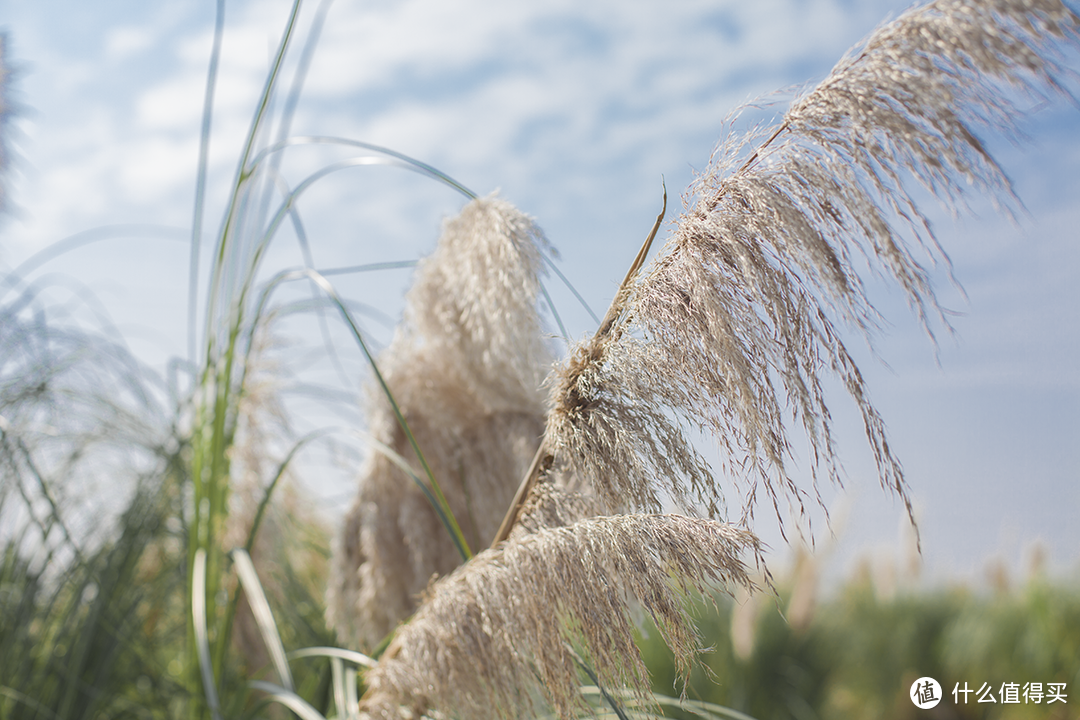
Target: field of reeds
x: 523, y: 540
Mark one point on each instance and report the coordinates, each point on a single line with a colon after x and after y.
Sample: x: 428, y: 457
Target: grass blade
x: 282, y: 467
x: 352, y: 698
x: 337, y: 668
x: 414, y: 164
x: 202, y: 640
x: 287, y: 698
x: 27, y: 701
x: 614, y: 704
x: 356, y: 658
x: 260, y: 608
x: 698, y: 708
x: 441, y: 505
x: 200, y: 176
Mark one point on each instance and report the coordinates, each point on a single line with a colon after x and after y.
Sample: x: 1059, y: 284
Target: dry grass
x: 741, y: 317
x: 492, y: 638
x: 465, y: 369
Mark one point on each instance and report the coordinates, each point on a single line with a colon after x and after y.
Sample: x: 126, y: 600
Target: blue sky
x: 574, y: 111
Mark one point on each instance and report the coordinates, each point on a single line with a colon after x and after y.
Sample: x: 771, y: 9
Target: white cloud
x: 155, y: 166
x: 173, y: 105
x: 123, y: 42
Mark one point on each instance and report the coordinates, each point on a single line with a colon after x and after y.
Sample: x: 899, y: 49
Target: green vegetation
x: 92, y: 615
x: 856, y: 654
x: 145, y: 617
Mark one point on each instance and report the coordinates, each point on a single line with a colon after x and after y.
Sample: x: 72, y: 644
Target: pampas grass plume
x: 507, y: 629
x: 465, y: 368
x: 737, y: 323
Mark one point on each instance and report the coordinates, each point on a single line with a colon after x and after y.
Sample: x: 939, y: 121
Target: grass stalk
x: 200, y: 177
x: 249, y: 580
x: 544, y: 455
x: 201, y: 631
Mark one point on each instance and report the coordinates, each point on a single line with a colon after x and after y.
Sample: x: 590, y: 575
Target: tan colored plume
x: 504, y: 633
x: 736, y: 325
x: 465, y: 368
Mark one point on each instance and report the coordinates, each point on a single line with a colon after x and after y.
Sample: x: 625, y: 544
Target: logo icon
x: 925, y: 693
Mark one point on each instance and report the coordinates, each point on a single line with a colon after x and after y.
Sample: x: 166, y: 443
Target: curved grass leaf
x: 264, y: 617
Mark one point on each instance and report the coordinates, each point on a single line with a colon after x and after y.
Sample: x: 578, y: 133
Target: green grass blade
x: 300, y: 76
x: 264, y: 617
x: 239, y: 200
x: 27, y: 701
x: 403, y: 465
x: 289, y: 699
x: 254, y: 258
x: 309, y: 261
x: 268, y: 91
x: 287, y: 204
x: 416, y: 165
x: 699, y: 708
x: 614, y: 704
x: 440, y: 503
x: 558, y: 320
x: 352, y: 701
x: 202, y: 640
x: 703, y: 709
x: 337, y: 668
x: 352, y: 656
x: 369, y: 267
x: 13, y: 278
x: 55, y: 514
x: 200, y: 176
x: 570, y: 286
x: 282, y: 467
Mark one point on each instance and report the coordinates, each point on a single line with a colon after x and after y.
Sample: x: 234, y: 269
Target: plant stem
x: 544, y: 457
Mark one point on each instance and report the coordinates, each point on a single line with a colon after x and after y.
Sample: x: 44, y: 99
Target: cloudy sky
x: 574, y: 111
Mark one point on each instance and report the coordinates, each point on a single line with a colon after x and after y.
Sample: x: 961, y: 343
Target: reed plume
x: 739, y: 319
x: 509, y: 628
x: 734, y: 330
x: 465, y: 368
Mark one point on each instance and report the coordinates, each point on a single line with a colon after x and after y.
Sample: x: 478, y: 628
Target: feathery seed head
x: 502, y: 631
x: 465, y: 368
x: 474, y: 303
x: 737, y: 323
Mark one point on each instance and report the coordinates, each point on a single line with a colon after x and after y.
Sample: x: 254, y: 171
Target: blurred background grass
x: 854, y: 650
x: 94, y: 614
